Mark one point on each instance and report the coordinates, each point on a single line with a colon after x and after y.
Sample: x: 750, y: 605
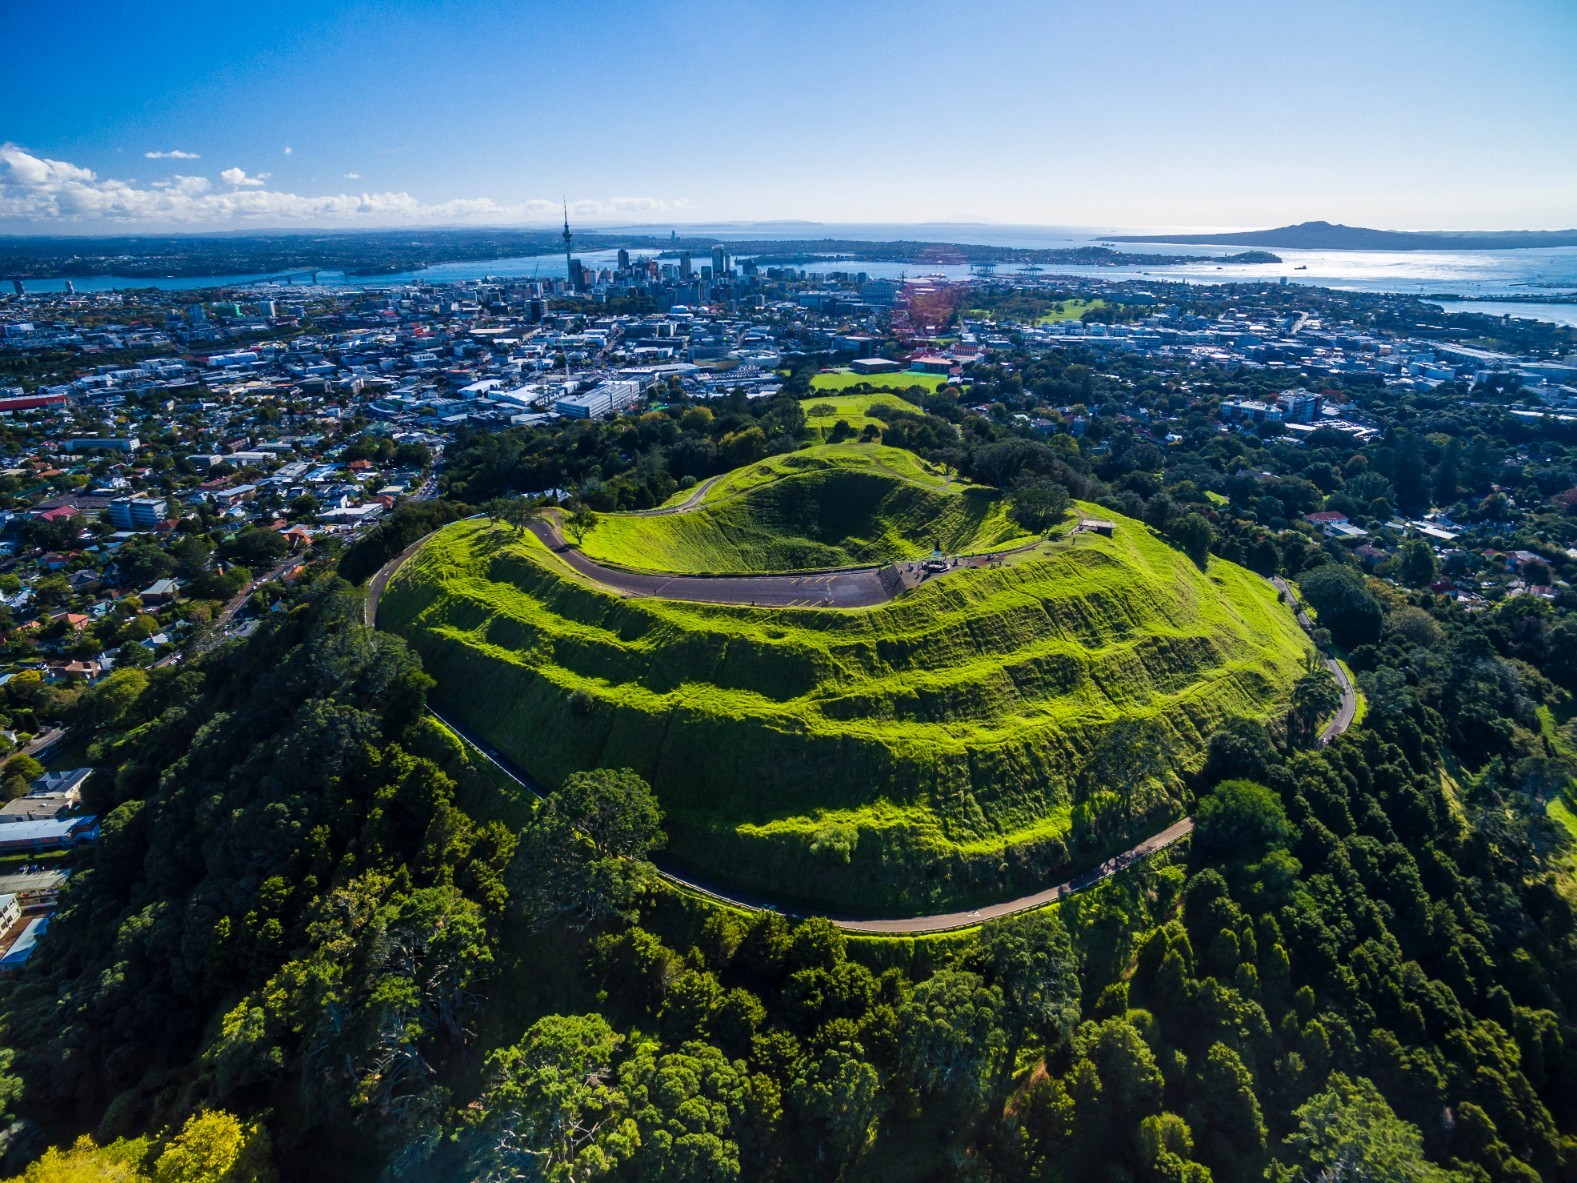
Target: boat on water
x: 1301, y: 267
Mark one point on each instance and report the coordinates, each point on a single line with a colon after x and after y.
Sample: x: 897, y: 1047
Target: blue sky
x: 1098, y: 113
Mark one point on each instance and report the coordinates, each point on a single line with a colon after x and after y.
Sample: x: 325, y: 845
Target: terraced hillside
x: 963, y: 742
x: 838, y: 505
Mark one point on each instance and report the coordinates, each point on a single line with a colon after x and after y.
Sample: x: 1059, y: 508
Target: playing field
x: 903, y: 380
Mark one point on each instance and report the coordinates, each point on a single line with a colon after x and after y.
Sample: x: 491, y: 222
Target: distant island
x: 1326, y: 236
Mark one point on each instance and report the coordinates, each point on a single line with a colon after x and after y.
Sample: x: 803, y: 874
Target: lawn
x: 1066, y: 310
x: 927, y: 753
x: 838, y: 505
x: 903, y: 380
x: 822, y: 412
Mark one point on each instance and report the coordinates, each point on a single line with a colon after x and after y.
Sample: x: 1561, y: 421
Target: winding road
x: 1348, y: 710
x: 843, y: 588
x: 851, y: 587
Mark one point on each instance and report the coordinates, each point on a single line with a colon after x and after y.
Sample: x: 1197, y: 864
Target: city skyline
x: 1130, y: 115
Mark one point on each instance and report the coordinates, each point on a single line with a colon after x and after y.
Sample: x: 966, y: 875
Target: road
x: 843, y: 587
x: 43, y: 741
x: 235, y: 603
x: 684, y: 506
x: 852, y: 587
x: 1348, y: 710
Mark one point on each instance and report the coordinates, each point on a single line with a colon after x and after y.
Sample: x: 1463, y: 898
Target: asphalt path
x: 684, y: 506
x: 1348, y: 710
x: 852, y: 587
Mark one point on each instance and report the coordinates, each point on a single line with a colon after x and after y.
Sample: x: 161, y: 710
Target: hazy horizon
x: 779, y: 227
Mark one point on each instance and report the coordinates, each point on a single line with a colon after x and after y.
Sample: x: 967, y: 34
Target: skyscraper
x: 686, y: 268
x: 569, y: 261
x: 624, y: 259
x: 721, y: 264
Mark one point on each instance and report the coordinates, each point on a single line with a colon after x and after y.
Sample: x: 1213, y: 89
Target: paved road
x: 235, y: 603
x: 854, y: 587
x: 1348, y: 710
x: 845, y: 587
x: 43, y: 741
x: 684, y: 506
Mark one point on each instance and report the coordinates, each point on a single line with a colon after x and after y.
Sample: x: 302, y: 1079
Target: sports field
x: 903, y: 380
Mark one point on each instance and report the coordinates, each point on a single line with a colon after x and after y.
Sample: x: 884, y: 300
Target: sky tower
x: 569, y: 263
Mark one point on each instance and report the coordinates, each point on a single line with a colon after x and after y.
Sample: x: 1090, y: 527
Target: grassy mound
x: 822, y: 412
x: 968, y: 740
x: 838, y: 505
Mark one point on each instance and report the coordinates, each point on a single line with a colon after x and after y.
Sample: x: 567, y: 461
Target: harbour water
x: 1470, y: 274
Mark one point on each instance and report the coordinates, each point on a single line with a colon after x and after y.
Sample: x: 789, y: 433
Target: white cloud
x: 288, y: 149
x: 238, y: 177
x: 36, y: 189
x: 173, y: 154
x: 353, y: 176
x: 191, y: 186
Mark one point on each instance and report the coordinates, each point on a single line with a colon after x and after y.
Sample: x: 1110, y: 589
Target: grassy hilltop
x: 841, y: 505
x: 963, y: 741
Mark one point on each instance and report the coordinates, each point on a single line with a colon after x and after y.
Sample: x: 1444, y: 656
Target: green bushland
x: 838, y: 505
x: 967, y: 740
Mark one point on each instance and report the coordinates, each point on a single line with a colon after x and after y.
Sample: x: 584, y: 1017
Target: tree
x: 1344, y: 604
x: 1314, y: 696
x: 519, y: 511
x: 1448, y: 473
x: 1240, y: 820
x: 1039, y: 505
x: 1418, y: 566
x: 1348, y: 1134
x: 553, y: 1110
x: 1410, y: 476
x: 87, y: 1162
x: 111, y: 702
x: 20, y: 771
x: 1032, y: 961
x: 254, y: 547
x: 950, y: 1035
x: 1228, y: 1113
x: 1166, y: 1146
x: 839, y: 1096
x: 578, y: 519
x: 1194, y: 534
x: 686, y: 1105
x: 585, y: 857
x: 215, y: 1147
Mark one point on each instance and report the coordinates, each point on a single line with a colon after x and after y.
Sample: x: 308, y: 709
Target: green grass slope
x: 898, y: 380
x: 822, y: 412
x: 965, y: 741
x: 838, y: 505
